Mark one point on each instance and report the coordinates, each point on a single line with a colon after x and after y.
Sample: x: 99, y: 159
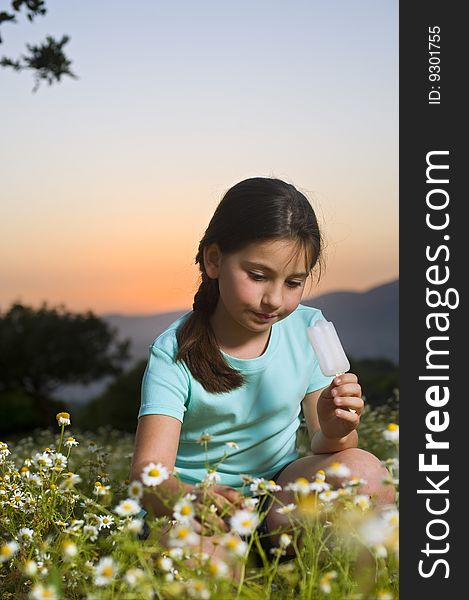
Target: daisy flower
x: 69, y: 549
x: 30, y: 568
x: 100, y: 489
x: 328, y: 495
x: 362, y: 501
x: 391, y: 433
x: 43, y: 592
x: 337, y: 469
x: 354, y: 482
x: 260, y: 486
x: 127, y: 508
x: 198, y: 589
x: 176, y: 553
x: 234, y: 544
x: 8, y: 550
x: 164, y: 563
x: 319, y: 484
x: 288, y: 508
x: 105, y: 571
x: 59, y: 461
x: 182, y: 536
x: 325, y: 581
x: 205, y: 438
x: 105, y: 521
x: 91, y: 532
x: 135, y: 526
x: 244, y: 522
x: 70, y: 479
x: 233, y: 445
x: 25, y: 472
x: 154, y: 474
x: 133, y: 576
x: 250, y: 503
x: 211, y: 478
x: 4, y: 452
x: 70, y: 441
x: 300, y: 485
x: 42, y: 460
x: 135, y: 489
x: 25, y: 535
x: 184, y: 509
x: 63, y: 418
x: 218, y: 568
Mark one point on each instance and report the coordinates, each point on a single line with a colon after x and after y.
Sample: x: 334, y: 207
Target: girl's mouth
x: 264, y: 317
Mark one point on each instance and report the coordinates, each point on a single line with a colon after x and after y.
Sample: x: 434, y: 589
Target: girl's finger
x: 349, y: 402
x: 345, y: 378
x: 346, y: 415
x: 347, y: 389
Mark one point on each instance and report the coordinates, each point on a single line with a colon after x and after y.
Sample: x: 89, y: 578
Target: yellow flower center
x: 186, y: 510
x: 47, y: 594
x: 246, y: 523
x: 232, y: 543
x: 154, y: 472
x: 5, y: 551
x: 183, y: 532
x: 107, y: 571
x: 393, y: 427
x: 302, y: 481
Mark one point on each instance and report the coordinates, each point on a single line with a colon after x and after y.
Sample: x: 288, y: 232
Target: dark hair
x: 256, y: 209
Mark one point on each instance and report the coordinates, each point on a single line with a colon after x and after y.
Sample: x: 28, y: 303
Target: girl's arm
x: 157, y: 440
x: 331, y: 425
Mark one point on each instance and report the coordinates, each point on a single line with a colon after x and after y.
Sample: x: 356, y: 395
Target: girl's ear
x: 212, y: 260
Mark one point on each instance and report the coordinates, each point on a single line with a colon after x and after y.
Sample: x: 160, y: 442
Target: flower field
x: 71, y: 527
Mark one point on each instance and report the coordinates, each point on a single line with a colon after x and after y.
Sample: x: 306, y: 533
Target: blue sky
x: 108, y: 181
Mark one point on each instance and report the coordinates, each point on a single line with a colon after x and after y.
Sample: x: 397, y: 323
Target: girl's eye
x: 256, y: 276
x: 259, y: 277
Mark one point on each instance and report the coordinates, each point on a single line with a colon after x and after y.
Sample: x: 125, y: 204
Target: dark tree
x: 41, y: 349
x: 47, y: 60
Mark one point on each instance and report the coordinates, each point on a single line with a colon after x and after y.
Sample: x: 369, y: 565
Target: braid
x: 206, y: 298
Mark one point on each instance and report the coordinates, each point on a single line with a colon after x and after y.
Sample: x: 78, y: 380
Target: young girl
x: 232, y: 376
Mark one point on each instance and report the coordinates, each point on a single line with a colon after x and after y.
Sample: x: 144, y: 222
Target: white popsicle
x: 326, y: 344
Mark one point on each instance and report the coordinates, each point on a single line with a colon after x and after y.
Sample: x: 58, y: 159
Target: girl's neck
x: 235, y: 340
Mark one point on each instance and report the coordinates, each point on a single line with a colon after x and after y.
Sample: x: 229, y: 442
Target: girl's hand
x: 335, y: 418
x: 226, y: 500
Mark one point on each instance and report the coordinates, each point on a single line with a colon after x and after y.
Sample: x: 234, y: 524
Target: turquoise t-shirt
x: 261, y: 417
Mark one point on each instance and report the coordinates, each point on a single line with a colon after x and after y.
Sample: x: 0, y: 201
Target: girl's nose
x: 272, y: 299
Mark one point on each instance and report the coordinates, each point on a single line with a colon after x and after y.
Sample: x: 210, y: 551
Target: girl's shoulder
x: 304, y: 316
x: 167, y: 340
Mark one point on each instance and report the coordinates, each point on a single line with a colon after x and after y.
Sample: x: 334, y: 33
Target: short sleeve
x: 165, y: 386
x: 317, y: 380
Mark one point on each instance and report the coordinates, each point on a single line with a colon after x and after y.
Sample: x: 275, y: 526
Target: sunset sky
x: 109, y: 181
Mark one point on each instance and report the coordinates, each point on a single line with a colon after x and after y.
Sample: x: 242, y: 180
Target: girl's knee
x: 367, y: 466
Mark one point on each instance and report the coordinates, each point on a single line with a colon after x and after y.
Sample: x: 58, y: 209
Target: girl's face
x: 259, y: 285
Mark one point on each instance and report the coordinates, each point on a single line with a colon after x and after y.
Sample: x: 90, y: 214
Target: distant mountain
x: 367, y: 323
